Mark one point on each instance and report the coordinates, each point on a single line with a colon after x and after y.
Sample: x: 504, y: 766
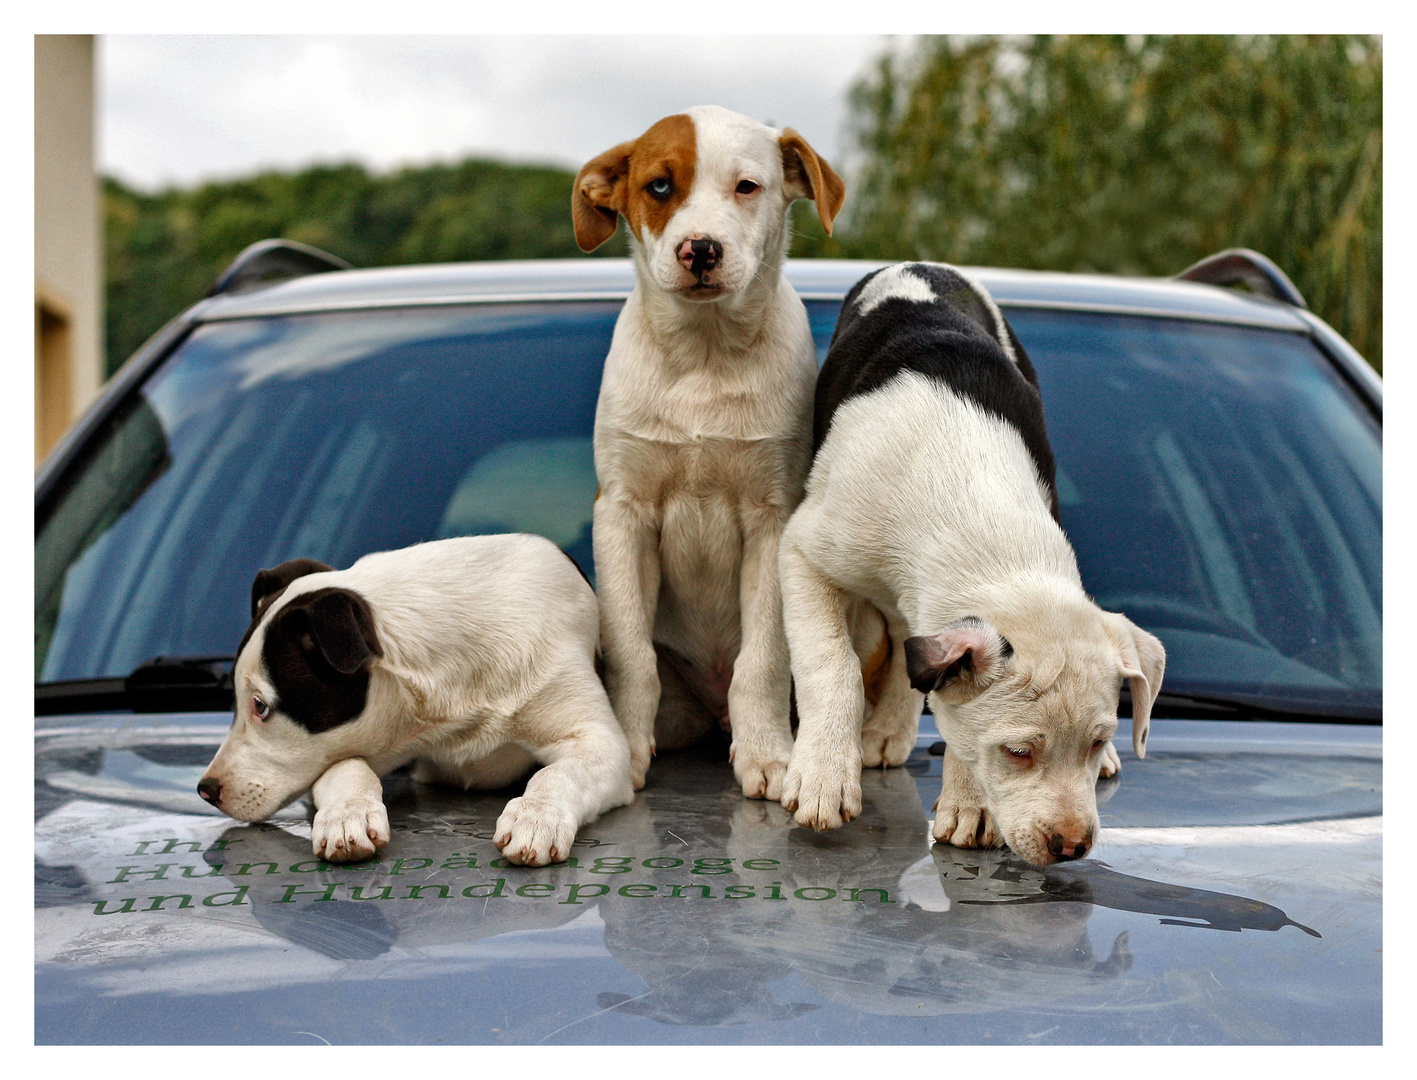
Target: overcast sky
x: 181, y: 109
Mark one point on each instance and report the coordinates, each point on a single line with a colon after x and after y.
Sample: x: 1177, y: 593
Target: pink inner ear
x: 937, y: 661
x: 954, y: 643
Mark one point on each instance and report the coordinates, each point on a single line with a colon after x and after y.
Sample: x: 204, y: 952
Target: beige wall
x: 68, y: 238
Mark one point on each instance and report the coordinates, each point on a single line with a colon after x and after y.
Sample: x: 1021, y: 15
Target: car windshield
x: 1223, y: 489
x: 1220, y: 483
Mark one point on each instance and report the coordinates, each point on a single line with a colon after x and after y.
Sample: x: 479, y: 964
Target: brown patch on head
x: 808, y: 176
x: 617, y: 182
x: 667, y: 151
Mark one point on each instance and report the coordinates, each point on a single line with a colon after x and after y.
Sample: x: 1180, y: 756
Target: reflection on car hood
x: 1235, y: 897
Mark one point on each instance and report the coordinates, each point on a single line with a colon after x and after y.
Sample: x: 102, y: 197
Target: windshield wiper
x: 163, y: 684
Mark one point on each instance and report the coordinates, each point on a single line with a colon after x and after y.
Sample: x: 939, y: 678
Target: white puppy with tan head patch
x: 931, y: 499
x: 703, y: 430
x: 474, y: 657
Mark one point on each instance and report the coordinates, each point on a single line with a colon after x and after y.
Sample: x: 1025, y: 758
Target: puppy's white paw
x: 760, y: 780
x: 880, y: 747
x: 964, y: 825
x: 533, y: 832
x: 349, y: 832
x: 1111, y: 761
x: 822, y: 799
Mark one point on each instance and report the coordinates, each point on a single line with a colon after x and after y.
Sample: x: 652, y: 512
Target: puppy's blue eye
x: 260, y: 708
x: 659, y: 187
x: 746, y: 187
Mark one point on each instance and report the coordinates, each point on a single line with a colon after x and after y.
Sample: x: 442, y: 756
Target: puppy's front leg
x: 961, y: 816
x: 350, y: 820
x: 586, y: 772
x: 625, y: 538
x: 823, y: 782
x: 759, y: 697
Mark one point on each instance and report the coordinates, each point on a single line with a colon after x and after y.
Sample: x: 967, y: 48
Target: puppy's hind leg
x: 350, y: 820
x: 586, y: 771
x: 682, y: 719
x: 894, y: 717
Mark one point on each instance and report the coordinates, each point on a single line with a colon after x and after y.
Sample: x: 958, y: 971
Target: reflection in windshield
x: 132, y: 455
x: 1223, y: 490
x: 1220, y: 485
x: 526, y: 482
x: 324, y: 437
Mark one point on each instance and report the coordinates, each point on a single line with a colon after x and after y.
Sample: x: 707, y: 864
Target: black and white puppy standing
x: 931, y: 498
x: 474, y: 657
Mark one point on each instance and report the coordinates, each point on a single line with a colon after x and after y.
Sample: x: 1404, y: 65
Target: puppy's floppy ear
x: 269, y: 583
x: 340, y: 626
x: 598, y: 197
x: 1143, y: 663
x: 959, y: 662
x: 810, y: 177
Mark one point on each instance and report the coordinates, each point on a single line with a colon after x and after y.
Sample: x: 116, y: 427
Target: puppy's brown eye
x: 1098, y: 744
x: 746, y: 187
x: 260, y: 708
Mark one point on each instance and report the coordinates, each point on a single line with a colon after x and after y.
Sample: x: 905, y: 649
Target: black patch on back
x: 318, y: 651
x: 951, y: 341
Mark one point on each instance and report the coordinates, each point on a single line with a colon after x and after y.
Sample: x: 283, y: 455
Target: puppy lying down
x: 473, y: 657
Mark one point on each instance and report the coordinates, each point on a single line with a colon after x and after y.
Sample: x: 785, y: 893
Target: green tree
x: 1133, y: 155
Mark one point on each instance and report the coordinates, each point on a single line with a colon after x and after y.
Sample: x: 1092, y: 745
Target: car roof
x: 815, y: 279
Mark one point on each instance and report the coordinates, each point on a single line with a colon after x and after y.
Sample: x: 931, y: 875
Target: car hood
x: 1235, y: 897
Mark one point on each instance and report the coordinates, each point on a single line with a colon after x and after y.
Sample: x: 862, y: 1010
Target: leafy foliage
x: 1129, y: 156
x: 1106, y: 154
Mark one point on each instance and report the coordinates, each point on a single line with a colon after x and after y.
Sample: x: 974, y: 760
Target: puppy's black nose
x: 1066, y: 851
x: 700, y: 255
x: 210, y: 790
